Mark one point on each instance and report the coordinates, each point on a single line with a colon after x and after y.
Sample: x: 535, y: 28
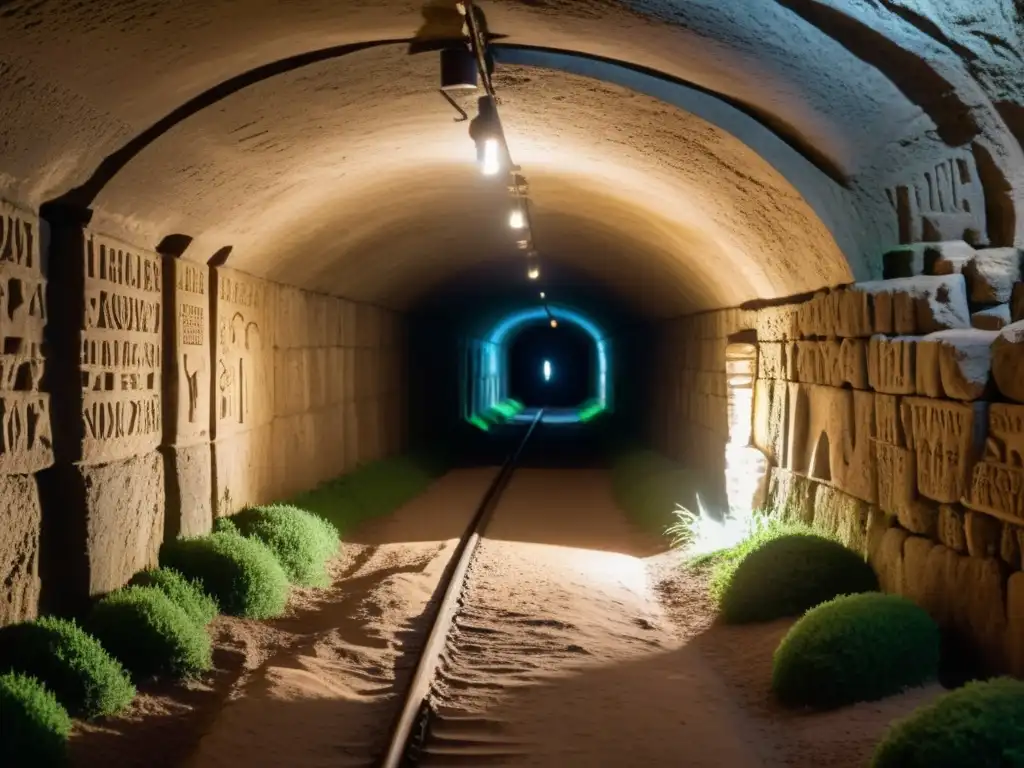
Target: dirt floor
x: 580, y: 642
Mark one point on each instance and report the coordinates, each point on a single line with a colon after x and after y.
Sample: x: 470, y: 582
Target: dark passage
x: 571, y: 360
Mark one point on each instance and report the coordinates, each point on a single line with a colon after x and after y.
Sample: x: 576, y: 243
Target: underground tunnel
x: 512, y: 382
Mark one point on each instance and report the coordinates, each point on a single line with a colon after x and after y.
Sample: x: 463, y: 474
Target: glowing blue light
x: 547, y: 370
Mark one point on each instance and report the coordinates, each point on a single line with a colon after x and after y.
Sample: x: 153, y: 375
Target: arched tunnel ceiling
x: 348, y: 174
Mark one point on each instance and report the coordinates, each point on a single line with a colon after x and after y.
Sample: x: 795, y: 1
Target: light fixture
x: 485, y: 130
x: 523, y: 245
x: 516, y: 219
x: 543, y: 295
x: 533, y: 272
x: 458, y: 69
x: 554, y: 323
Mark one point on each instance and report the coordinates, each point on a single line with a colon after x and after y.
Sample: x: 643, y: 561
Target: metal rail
x: 410, y: 727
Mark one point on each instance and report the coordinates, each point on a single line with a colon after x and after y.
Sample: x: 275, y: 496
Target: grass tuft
x: 187, y: 594
x: 149, y: 634
x: 855, y: 648
x: 34, y: 727
x: 979, y: 725
x: 72, y: 664
x: 241, y: 574
x: 302, y: 542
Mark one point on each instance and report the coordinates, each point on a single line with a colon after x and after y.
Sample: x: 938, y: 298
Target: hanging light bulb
x: 523, y: 245
x: 516, y: 219
x: 543, y: 295
x: 533, y: 272
x: 485, y: 130
x: 554, y: 323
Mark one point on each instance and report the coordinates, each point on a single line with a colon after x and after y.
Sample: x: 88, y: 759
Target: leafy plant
x: 34, y: 727
x: 187, y: 594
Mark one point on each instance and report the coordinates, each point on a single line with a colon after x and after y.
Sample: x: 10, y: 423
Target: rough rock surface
x: 20, y: 524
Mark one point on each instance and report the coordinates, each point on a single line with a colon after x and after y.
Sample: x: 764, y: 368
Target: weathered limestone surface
x: 1008, y: 361
x: 992, y: 273
x: 917, y: 305
x: 955, y: 364
x: 124, y: 509
x: 20, y: 524
x: 991, y: 319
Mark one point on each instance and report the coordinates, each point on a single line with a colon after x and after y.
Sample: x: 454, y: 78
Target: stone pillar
x: 26, y: 444
x: 242, y: 391
x: 186, y: 404
x: 105, y: 377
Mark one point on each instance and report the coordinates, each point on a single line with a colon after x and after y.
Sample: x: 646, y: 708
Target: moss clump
x: 787, y: 574
x: 369, y: 492
x: 187, y: 594
x: 302, y: 542
x: 34, y: 727
x: 149, y: 634
x: 980, y: 725
x: 856, y: 648
x: 241, y: 574
x: 72, y: 664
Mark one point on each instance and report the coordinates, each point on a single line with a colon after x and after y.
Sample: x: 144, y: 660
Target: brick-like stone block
x: 841, y: 515
x: 1008, y: 361
x: 189, y: 474
x: 918, y: 305
x: 992, y: 318
x: 243, y: 470
x: 955, y: 364
x: 20, y: 528
x: 791, y: 497
x: 124, y: 509
x: 992, y: 273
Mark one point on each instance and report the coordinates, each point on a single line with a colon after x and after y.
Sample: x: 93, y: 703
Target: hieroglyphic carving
x: 188, y: 382
x: 26, y: 443
x: 888, y: 426
x: 943, y: 202
x: 120, y: 358
x: 243, y: 391
x: 832, y: 363
x: 946, y: 440
x: 997, y: 484
x: 891, y: 365
x: 896, y: 477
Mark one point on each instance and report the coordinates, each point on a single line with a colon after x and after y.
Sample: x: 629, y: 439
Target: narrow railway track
x: 414, y: 727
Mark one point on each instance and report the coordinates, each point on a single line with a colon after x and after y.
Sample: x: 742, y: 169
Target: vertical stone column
x: 187, y: 393
x: 105, y: 376
x: 242, y: 391
x: 25, y: 439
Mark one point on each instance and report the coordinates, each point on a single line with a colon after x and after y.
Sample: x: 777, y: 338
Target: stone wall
x: 892, y: 414
x: 142, y: 395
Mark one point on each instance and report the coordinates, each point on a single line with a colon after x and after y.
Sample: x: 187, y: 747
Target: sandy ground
x: 579, y: 642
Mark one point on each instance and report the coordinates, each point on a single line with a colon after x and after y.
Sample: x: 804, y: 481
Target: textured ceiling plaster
x: 350, y: 175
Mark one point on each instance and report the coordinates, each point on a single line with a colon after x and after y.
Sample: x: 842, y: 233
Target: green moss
x: 786, y: 574
x: 302, y: 542
x: 187, y: 594
x: 241, y: 574
x: 72, y: 664
x: 369, y: 491
x: 149, y: 634
x: 34, y: 727
x: 855, y: 648
x: 980, y: 725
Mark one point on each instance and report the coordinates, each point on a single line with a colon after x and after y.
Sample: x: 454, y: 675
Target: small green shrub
x: 72, y: 664
x: 149, y: 634
x: 241, y: 574
x: 855, y: 648
x: 187, y: 594
x: 980, y: 725
x: 302, y: 542
x: 34, y: 727
x: 787, y: 574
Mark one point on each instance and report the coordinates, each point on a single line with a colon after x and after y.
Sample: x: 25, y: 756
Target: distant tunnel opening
x: 552, y: 367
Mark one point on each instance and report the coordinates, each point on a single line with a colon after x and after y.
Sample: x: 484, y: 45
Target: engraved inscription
x: 191, y: 278
x: 888, y: 426
x: 943, y: 438
x: 121, y: 351
x: 25, y: 443
x: 192, y: 369
x: 192, y: 318
x: 891, y: 365
x: 941, y: 203
x: 896, y: 475
x: 997, y: 483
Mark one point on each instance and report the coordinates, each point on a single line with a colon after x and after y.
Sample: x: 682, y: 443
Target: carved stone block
x: 832, y: 363
x: 243, y: 470
x: 777, y: 323
x: 997, y: 482
x: 918, y: 305
x: 243, y: 382
x: 791, y: 497
x: 1008, y: 361
x: 770, y: 418
x: 947, y: 258
x: 771, y: 361
x: 946, y: 438
x: 187, y: 379
x: 952, y: 532
x: 20, y: 523
x: 189, y: 484
x: 841, y: 515
x: 26, y: 440
x: 891, y: 365
x: 991, y: 274
x: 991, y: 319
x: 124, y: 509
x: 956, y: 364
x: 121, y: 356
x: 888, y: 424
x: 897, y: 490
